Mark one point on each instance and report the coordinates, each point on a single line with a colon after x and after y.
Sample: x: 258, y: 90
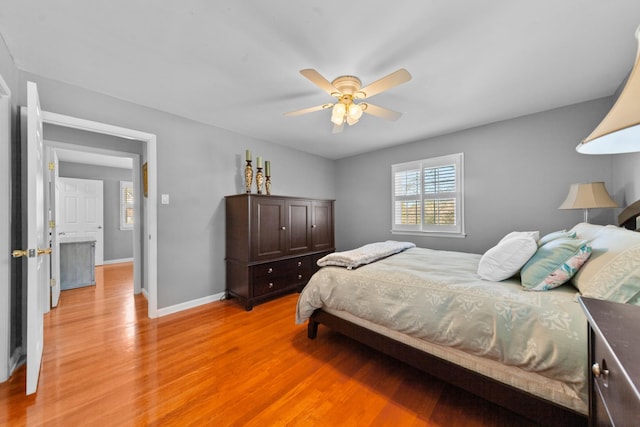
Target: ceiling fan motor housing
x: 347, y: 85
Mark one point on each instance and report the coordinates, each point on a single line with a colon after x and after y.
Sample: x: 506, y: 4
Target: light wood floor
x: 105, y: 363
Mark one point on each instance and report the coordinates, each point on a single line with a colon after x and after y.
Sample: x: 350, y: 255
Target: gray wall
x: 197, y: 166
x: 626, y: 178
x: 517, y: 173
x: 118, y: 244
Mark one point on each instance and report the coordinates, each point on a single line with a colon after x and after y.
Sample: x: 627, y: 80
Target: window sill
x: 430, y: 234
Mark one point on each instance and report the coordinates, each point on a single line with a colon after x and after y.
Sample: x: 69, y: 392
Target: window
x: 126, y: 205
x: 427, y: 196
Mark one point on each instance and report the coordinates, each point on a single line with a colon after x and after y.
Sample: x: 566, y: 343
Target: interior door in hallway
x: 80, y: 211
x: 50, y: 197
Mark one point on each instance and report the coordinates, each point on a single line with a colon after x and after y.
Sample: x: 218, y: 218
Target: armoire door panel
x: 299, y: 226
x: 322, y: 226
x: 268, y: 232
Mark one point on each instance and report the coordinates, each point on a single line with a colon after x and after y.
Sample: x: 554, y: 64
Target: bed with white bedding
x: 525, y: 350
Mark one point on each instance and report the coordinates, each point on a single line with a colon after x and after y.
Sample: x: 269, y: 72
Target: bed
x: 524, y: 350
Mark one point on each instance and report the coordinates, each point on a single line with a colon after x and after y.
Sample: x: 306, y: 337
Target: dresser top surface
x: 265, y: 196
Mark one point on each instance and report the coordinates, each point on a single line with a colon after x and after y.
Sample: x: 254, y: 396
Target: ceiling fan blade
x: 338, y: 128
x: 381, y: 112
x: 308, y: 110
x: 317, y: 79
x: 394, y: 79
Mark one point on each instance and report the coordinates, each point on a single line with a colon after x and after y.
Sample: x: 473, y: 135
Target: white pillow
x: 507, y: 257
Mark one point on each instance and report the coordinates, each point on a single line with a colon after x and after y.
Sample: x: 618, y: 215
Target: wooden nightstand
x: 614, y: 360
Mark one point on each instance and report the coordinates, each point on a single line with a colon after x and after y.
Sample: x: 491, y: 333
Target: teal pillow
x: 555, y: 235
x: 554, y: 263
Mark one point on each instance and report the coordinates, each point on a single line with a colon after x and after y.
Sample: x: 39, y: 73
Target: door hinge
x: 52, y: 224
x: 52, y: 282
x: 52, y: 166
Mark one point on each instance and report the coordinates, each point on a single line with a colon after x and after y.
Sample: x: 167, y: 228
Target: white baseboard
x: 145, y: 293
x: 116, y: 261
x: 190, y: 304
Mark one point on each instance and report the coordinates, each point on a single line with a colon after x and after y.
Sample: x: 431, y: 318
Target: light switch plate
x: 165, y: 199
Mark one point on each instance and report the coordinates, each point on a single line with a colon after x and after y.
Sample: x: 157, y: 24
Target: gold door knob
x: 19, y: 253
x: 44, y: 251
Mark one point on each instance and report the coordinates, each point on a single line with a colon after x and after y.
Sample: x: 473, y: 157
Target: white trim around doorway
x: 149, y: 240
x: 7, y: 361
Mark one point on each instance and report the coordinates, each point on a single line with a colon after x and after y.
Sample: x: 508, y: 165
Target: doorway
x: 75, y: 175
x: 145, y: 245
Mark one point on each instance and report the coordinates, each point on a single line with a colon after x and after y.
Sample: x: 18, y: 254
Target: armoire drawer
x: 266, y: 285
x: 270, y: 269
x: 299, y: 270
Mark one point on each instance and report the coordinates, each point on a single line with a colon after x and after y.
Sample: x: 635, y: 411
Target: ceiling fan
x: 348, y: 89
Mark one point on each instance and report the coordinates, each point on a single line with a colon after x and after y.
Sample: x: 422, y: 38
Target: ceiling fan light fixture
x: 338, y: 113
x: 354, y: 112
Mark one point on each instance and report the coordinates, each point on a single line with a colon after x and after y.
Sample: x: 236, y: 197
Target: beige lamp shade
x: 619, y: 131
x: 588, y: 196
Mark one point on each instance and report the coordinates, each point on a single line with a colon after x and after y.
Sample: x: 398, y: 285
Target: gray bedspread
x: 438, y: 297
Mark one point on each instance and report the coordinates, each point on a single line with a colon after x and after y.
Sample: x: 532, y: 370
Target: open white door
x: 55, y: 242
x: 37, y: 242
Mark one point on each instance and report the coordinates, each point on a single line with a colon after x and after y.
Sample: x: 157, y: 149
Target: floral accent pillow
x: 554, y: 263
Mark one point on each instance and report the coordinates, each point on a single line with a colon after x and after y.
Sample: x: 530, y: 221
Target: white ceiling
x: 235, y: 64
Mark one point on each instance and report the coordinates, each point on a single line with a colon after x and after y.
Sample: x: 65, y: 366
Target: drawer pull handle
x: 270, y: 270
x: 299, y: 276
x: 299, y: 263
x: 601, y: 372
x: 283, y: 228
x: 270, y: 285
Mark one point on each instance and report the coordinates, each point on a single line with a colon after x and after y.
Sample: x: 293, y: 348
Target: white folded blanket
x: 364, y: 254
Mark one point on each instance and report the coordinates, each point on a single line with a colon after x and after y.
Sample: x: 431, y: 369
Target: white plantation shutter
x: 126, y: 205
x: 427, y: 196
x: 407, y: 196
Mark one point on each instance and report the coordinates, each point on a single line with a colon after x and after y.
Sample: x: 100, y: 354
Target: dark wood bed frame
x: 523, y: 403
x: 627, y: 217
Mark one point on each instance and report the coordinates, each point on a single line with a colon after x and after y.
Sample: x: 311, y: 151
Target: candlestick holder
x: 248, y: 176
x: 259, y: 180
x: 267, y: 185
